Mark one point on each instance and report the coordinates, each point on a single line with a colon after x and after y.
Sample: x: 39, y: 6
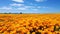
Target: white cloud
x: 40, y: 0
x: 42, y: 7
x: 22, y: 8
x: 29, y: 6
x: 5, y: 8
x: 18, y: 1
x: 15, y: 4
x: 35, y: 8
x: 19, y: 6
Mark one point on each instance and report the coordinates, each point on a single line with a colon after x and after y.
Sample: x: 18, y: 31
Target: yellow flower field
x: 29, y: 23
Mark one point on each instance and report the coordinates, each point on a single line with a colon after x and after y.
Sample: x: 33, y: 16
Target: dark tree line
x: 11, y: 13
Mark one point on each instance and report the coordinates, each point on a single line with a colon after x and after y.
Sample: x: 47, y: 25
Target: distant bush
x: 20, y: 12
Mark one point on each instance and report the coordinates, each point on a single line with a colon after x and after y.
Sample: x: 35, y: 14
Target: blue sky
x: 30, y: 6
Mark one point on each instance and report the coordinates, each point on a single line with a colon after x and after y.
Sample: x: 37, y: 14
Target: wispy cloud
x: 21, y: 7
x: 42, y: 7
x: 21, y: 1
x: 5, y: 8
x: 15, y: 4
x: 24, y: 7
x: 40, y: 0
